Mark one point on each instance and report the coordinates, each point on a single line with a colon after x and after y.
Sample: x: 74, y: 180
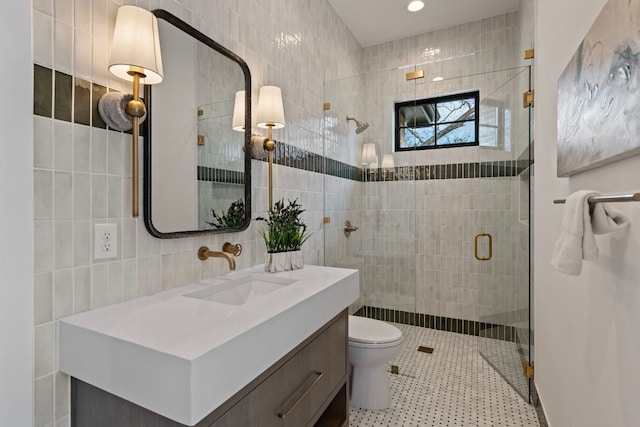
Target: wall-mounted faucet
x: 228, y: 252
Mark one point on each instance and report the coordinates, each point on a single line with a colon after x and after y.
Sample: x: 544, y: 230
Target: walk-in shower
x: 415, y: 246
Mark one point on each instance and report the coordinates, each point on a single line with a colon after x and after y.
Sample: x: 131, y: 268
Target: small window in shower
x: 445, y: 121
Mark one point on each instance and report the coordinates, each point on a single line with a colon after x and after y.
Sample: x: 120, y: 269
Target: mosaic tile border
x: 223, y: 176
x: 441, y: 323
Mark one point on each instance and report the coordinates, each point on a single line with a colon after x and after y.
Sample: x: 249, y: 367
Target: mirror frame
x: 148, y: 138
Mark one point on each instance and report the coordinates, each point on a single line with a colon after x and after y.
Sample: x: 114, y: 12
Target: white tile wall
x: 82, y: 174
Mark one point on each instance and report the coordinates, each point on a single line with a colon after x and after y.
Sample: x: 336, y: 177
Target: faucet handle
x: 235, y: 250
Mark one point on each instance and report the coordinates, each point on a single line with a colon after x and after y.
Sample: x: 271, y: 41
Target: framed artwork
x: 599, y: 93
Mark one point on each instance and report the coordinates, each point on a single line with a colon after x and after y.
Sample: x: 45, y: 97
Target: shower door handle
x: 475, y: 246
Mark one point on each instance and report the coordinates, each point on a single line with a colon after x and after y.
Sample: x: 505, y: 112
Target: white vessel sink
x: 243, y: 290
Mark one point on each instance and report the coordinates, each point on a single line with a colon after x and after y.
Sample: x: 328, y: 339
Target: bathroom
x: 66, y: 177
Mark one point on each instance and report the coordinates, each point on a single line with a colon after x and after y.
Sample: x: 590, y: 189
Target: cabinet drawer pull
x: 286, y: 413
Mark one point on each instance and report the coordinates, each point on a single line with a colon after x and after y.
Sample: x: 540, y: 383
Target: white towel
x: 579, y: 224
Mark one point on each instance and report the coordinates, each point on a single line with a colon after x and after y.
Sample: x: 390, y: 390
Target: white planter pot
x: 283, y: 261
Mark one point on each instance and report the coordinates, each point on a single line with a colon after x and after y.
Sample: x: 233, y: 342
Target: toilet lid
x: 371, y: 331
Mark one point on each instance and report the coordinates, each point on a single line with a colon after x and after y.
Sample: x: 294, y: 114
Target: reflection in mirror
x: 197, y: 177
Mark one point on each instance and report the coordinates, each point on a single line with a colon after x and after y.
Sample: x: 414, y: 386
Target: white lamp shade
x: 368, y: 154
x: 238, y: 112
x: 136, y: 43
x: 387, y: 161
x: 270, y: 108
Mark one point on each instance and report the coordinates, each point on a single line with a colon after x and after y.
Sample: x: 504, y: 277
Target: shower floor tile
x: 451, y: 387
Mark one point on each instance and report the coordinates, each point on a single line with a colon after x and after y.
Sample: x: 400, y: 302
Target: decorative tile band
x: 466, y: 327
x: 295, y: 157
x: 503, y: 168
x: 62, y: 97
x: 224, y: 176
x: 72, y: 99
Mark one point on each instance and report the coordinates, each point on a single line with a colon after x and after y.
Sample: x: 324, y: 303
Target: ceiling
x: 378, y: 21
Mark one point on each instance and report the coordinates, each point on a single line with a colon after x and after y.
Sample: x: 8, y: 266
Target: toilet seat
x: 364, y: 332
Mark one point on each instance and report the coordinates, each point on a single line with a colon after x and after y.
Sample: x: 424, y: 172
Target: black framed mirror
x: 197, y: 175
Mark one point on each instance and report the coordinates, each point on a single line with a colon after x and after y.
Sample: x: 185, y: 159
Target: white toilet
x: 371, y: 344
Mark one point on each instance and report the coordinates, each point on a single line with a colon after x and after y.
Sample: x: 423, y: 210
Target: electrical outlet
x: 105, y: 241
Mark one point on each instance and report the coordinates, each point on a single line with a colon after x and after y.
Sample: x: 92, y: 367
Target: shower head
x: 360, y: 126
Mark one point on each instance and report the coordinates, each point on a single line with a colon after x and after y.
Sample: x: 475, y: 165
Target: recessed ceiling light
x: 438, y: 79
x: 415, y: 6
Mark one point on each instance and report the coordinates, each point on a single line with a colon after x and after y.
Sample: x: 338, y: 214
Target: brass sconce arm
x: 228, y: 252
x: 135, y: 108
x: 270, y: 146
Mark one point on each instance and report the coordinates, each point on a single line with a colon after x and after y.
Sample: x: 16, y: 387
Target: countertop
x: 183, y: 357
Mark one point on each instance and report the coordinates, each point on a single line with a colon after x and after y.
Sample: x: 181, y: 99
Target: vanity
x: 245, y: 349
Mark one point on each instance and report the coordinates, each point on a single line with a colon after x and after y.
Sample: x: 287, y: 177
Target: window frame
x: 475, y: 94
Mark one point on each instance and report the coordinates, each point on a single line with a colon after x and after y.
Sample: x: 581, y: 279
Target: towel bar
x: 632, y: 197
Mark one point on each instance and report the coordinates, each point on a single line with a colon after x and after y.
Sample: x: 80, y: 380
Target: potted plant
x: 284, y: 234
x: 233, y: 218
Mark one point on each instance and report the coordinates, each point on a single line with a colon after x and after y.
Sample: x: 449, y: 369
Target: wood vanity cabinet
x: 307, y: 387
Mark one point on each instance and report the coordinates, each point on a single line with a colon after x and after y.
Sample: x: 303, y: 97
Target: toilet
x: 371, y: 344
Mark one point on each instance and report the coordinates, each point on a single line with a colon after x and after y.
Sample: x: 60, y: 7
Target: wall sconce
x: 369, y: 155
x: 237, y: 122
x: 387, y: 162
x: 135, y: 56
x: 387, y: 165
x: 270, y: 115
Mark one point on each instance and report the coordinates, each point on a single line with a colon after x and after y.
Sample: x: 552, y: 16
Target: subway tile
x: 43, y: 246
x: 43, y: 401
x: 62, y: 146
x: 82, y: 54
x: 81, y: 196
x: 99, y: 286
x: 98, y: 196
x: 115, y: 282
x: 100, y: 58
x: 115, y: 152
x: 63, y: 48
x: 63, y: 96
x: 81, y: 148
x: 43, y: 298
x: 44, y: 346
x: 63, y: 11
x: 63, y: 195
x: 63, y: 293
x: 114, y: 196
x: 44, y: 6
x: 82, y: 102
x: 42, y: 39
x: 82, y: 248
x: 42, y: 141
x: 43, y: 194
x: 81, y: 289
x: 96, y: 94
x: 98, y: 150
x: 62, y: 394
x: 82, y: 16
x: 42, y: 91
x: 63, y: 244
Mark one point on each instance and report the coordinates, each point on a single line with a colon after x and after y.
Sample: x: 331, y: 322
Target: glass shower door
x: 501, y: 242
x: 378, y: 199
